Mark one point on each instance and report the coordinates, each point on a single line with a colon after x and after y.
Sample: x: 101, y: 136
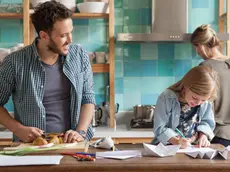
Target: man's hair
x: 46, y: 14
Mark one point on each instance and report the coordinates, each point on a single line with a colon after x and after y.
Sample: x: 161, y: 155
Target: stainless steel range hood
x: 169, y: 24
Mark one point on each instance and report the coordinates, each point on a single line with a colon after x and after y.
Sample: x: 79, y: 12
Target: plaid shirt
x: 23, y: 76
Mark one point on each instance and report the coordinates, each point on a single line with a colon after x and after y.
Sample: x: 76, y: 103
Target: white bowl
x: 93, y: 7
x: 70, y: 4
x: 36, y: 2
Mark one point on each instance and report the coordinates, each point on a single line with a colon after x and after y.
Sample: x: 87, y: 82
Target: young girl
x: 183, y: 113
x: 207, y: 45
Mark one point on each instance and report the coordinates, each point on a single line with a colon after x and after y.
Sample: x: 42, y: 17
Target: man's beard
x: 54, y: 48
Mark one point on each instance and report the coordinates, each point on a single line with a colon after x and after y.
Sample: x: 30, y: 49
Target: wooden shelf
x: 11, y: 15
x: 84, y: 15
x: 75, y: 15
x: 90, y: 15
x: 100, y: 68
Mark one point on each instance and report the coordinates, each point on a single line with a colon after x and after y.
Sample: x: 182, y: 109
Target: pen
x: 85, y: 153
x: 179, y: 132
x: 78, y: 153
x: 83, y: 157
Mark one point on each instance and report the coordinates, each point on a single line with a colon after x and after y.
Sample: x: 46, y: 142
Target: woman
x: 207, y: 45
x: 183, y: 114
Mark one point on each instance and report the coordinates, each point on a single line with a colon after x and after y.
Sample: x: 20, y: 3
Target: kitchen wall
x: 142, y: 71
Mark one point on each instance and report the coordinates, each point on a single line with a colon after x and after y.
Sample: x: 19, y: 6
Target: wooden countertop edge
x: 91, y: 166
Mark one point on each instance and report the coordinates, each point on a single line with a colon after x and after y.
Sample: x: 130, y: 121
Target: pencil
x: 180, y: 133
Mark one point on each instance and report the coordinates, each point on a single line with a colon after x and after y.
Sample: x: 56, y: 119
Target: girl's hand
x: 203, y: 140
x: 185, y: 142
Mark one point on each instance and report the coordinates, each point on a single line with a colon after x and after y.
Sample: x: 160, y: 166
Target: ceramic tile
x: 200, y: 3
x: 99, y: 98
x: 182, y: 67
x: 100, y: 82
x: 166, y: 51
x: 132, y: 17
x: 131, y: 4
x: 119, y: 98
x: 183, y: 51
x: 118, y: 4
x: 146, y: 14
x: 119, y: 68
x: 148, y: 68
x: 119, y: 17
x: 118, y: 51
x: 132, y: 69
x: 149, y: 51
x: 165, y: 67
x: 131, y: 52
x: 119, y: 85
x: 132, y: 29
x: 149, y: 99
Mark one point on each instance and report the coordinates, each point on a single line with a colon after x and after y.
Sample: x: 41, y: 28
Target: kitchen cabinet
x: 97, y: 68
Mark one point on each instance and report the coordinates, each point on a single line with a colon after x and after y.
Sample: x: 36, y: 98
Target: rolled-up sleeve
x: 6, y: 81
x: 207, y: 121
x: 161, y: 120
x: 88, y: 96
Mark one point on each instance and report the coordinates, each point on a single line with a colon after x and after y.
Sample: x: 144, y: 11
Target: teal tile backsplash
x: 142, y: 70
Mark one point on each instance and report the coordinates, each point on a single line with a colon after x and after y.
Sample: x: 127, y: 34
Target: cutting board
x: 65, y: 148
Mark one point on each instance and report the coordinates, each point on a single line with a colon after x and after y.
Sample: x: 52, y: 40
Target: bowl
x: 70, y: 4
x: 36, y: 2
x: 93, y: 7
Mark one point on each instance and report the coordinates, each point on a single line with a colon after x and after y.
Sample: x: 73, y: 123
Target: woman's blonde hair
x: 205, y: 36
x: 201, y: 80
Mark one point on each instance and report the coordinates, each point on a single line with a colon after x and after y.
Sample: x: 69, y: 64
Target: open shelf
x: 11, y: 15
x: 85, y: 15
x: 90, y: 15
x: 75, y: 15
x: 100, y: 68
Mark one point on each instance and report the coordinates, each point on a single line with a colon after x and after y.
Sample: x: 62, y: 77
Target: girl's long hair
x: 201, y: 80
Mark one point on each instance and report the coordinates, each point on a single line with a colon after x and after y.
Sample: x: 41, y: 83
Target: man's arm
x: 87, y: 104
x: 8, y: 121
x: 85, y: 118
x: 7, y: 86
x: 26, y: 134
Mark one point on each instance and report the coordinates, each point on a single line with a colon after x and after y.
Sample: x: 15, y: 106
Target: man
x: 50, y: 81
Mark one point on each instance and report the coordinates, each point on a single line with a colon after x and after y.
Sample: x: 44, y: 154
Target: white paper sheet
x: 228, y: 147
x: 160, y: 150
x: 118, y: 154
x: 29, y: 160
x: 194, y: 149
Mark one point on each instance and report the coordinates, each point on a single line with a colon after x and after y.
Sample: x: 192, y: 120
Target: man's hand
x: 72, y: 136
x: 28, y: 134
x: 203, y: 140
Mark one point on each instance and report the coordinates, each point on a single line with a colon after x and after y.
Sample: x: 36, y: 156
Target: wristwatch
x: 82, y: 133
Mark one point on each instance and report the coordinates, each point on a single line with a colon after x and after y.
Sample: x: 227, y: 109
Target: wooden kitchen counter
x: 180, y: 163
